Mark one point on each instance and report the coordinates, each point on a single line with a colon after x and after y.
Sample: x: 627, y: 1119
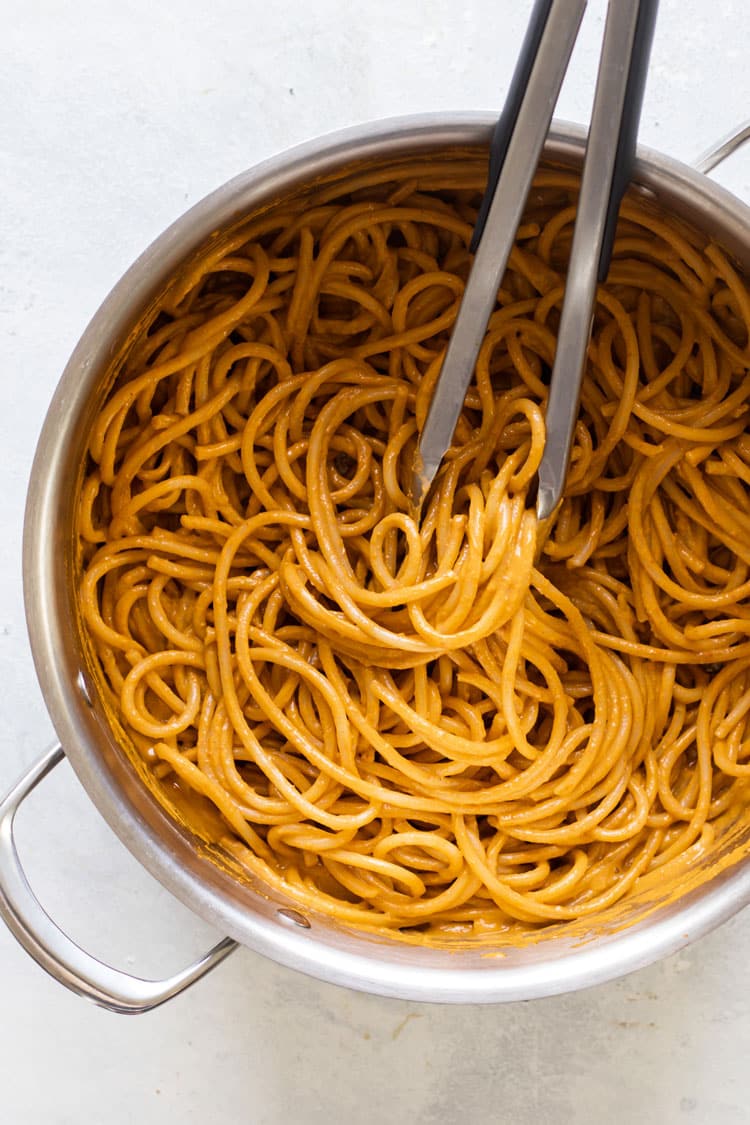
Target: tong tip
x: 547, y: 499
x: 423, y: 474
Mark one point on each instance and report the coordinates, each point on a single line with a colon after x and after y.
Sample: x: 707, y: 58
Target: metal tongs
x: 514, y: 154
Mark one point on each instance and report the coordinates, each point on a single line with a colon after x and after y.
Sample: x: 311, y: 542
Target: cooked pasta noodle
x: 412, y: 726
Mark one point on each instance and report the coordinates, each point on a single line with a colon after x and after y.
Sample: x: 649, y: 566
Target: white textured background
x: 114, y: 117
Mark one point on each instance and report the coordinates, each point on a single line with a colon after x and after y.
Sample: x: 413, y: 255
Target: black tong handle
x: 507, y: 120
x: 625, y: 158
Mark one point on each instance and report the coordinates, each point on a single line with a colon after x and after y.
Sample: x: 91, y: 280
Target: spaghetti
x: 411, y: 726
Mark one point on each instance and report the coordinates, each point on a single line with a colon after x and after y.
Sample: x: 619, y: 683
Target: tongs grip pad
x: 507, y: 120
x: 625, y: 157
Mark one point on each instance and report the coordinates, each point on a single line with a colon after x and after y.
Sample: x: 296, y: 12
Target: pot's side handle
x: 718, y: 153
x: 54, y: 950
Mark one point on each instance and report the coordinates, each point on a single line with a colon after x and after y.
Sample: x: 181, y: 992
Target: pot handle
x: 719, y: 152
x: 53, y: 949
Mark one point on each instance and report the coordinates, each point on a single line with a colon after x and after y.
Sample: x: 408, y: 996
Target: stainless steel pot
x: 559, y: 962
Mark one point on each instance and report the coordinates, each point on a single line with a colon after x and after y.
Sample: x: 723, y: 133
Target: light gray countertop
x: 114, y: 118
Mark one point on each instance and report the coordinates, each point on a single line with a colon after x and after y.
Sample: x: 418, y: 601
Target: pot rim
x: 342, y: 957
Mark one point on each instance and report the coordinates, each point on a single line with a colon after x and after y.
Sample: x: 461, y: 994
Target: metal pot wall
x: 559, y: 962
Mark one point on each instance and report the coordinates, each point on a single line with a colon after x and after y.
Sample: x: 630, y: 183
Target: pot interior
x: 176, y: 844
